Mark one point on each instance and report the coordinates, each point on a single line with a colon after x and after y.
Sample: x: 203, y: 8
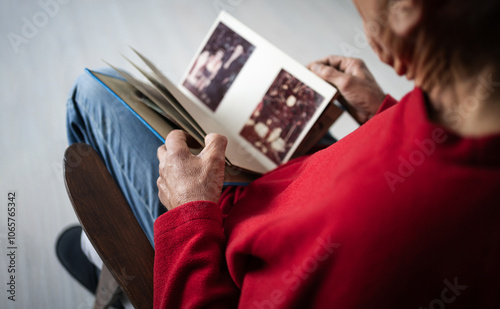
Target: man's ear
x: 405, y: 16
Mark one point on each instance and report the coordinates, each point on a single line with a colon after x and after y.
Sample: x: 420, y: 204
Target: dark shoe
x: 69, y: 253
x: 72, y: 258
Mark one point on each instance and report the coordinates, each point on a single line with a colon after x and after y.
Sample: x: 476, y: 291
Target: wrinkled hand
x: 185, y: 177
x: 355, y: 83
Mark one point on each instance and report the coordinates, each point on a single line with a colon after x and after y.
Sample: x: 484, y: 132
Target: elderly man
x: 402, y: 213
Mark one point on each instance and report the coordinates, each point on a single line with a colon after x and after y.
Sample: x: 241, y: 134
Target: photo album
x: 270, y: 107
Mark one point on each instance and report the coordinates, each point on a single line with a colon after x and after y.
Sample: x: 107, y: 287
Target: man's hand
x: 354, y: 81
x: 185, y: 177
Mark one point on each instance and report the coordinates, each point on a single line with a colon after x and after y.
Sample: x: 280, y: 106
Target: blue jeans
x: 127, y: 147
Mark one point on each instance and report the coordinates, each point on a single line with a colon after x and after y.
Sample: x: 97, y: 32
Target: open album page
x: 247, y: 89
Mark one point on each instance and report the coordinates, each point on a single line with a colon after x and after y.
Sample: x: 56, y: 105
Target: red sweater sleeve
x: 190, y: 270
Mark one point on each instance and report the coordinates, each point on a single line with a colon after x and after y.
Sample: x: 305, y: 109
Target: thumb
x: 330, y: 74
x: 215, y: 146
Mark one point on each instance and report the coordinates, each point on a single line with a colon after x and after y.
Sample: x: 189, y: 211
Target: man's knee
x: 89, y: 99
x: 86, y: 85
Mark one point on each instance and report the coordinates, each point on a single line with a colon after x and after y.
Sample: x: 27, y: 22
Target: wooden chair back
x: 109, y: 223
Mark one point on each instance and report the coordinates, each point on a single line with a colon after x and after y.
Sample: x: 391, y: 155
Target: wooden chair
x: 111, y: 227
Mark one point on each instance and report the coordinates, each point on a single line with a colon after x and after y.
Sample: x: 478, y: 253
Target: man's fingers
x: 185, y: 177
x: 176, y: 142
x: 163, y: 192
x: 334, y: 61
x: 331, y: 75
x: 344, y: 64
x: 215, y: 146
x: 161, y: 151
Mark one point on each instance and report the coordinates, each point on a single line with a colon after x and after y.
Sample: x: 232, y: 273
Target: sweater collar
x: 484, y: 151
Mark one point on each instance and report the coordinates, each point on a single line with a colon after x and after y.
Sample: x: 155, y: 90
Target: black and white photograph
x: 281, y: 116
x: 218, y: 65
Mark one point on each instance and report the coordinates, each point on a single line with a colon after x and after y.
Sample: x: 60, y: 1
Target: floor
x: 44, y: 46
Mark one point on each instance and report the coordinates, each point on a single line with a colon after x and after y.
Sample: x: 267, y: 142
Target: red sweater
x: 399, y: 214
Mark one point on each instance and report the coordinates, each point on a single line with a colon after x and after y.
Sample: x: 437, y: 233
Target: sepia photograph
x: 218, y: 65
x: 281, y: 116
